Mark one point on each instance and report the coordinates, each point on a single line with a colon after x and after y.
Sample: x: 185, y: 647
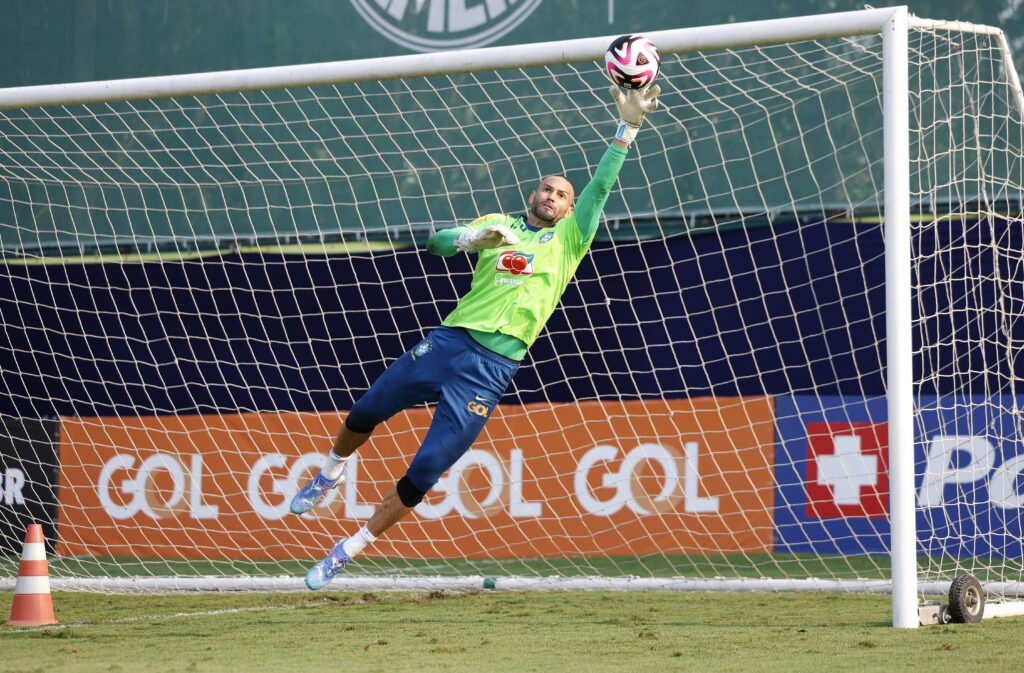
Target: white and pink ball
x: 632, y: 61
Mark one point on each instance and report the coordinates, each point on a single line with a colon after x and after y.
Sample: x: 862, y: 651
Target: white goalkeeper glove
x: 633, y: 104
x: 493, y: 236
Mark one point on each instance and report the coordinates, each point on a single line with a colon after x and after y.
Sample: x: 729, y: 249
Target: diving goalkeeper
x: 524, y: 264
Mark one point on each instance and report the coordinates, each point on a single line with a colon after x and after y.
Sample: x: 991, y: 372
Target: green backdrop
x: 51, y: 41
x: 287, y: 174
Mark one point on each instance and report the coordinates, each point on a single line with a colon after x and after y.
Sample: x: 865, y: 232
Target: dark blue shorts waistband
x: 500, y: 360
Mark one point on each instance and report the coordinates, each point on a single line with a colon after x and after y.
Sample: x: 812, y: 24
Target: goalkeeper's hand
x: 494, y: 236
x: 633, y: 105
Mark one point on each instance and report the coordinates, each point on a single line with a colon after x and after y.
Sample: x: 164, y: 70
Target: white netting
x: 197, y: 286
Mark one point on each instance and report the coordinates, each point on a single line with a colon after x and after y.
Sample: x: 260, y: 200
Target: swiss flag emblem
x: 847, y: 470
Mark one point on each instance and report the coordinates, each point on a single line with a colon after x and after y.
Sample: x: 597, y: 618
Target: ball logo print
x: 632, y: 61
x: 433, y: 25
x: 516, y: 262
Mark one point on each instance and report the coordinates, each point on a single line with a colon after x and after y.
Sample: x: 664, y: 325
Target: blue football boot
x: 323, y: 572
x: 313, y: 492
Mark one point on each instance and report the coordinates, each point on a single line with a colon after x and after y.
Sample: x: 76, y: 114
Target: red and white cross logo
x: 847, y: 474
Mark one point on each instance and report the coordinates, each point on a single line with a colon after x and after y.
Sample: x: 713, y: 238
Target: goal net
x: 195, y: 284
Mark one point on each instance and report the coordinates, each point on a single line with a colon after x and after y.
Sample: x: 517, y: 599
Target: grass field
x: 775, y: 565
x: 496, y: 631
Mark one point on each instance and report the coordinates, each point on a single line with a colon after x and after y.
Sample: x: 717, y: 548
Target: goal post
x: 899, y: 377
x: 200, y: 273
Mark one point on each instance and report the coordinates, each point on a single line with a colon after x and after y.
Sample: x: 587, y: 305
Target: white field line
x: 175, y: 615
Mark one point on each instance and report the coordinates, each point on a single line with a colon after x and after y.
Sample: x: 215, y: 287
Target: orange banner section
x: 587, y: 479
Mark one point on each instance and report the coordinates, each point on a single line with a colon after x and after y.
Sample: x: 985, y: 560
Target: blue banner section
x: 832, y: 477
x: 795, y: 529
x: 970, y: 474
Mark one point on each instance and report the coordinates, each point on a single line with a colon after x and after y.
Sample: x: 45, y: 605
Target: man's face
x: 552, y: 200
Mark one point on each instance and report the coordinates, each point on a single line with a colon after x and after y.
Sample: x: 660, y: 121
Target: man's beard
x: 536, y: 213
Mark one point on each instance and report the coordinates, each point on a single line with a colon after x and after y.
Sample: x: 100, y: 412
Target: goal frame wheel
x: 966, y: 600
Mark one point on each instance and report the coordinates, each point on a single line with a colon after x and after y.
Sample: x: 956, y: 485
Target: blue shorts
x: 450, y: 368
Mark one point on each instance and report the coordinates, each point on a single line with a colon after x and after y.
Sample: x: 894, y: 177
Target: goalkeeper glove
x: 493, y: 236
x: 633, y: 104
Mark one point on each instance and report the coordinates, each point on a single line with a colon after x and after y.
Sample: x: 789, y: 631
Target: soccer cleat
x: 323, y: 572
x: 313, y: 492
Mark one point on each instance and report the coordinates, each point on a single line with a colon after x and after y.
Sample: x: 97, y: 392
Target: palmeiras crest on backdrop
x: 434, y: 25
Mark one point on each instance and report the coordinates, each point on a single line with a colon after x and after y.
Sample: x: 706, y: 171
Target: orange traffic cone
x: 32, y: 604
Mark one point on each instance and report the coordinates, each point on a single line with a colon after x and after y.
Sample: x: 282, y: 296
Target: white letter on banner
x: 495, y: 473
x: 159, y: 461
x: 939, y: 470
x: 197, y: 509
x: 118, y: 462
x: 598, y: 454
x: 353, y: 508
x: 1002, y: 488
x: 694, y: 503
x: 14, y: 481
x: 640, y: 454
x: 267, y: 461
x: 517, y: 507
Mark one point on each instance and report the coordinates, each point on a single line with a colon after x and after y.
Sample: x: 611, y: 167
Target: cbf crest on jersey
x: 422, y: 348
x: 546, y: 236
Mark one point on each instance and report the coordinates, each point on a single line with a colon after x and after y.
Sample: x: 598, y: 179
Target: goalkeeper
x: 523, y: 266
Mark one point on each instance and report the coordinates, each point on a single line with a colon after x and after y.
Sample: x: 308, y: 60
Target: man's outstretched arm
x: 633, y: 106
x: 470, y: 238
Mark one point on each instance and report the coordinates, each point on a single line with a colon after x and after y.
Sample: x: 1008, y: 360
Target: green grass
x: 775, y: 565
x: 496, y: 631
x: 655, y: 565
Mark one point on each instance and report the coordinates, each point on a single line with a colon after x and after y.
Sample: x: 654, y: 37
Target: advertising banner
x: 831, y: 475
x: 833, y: 481
x: 592, y: 478
x: 28, y: 480
x: 970, y: 473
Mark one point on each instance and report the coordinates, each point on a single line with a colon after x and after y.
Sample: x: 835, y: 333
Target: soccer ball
x: 632, y: 61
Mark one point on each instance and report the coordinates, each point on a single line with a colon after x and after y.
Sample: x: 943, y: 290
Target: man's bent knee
x: 408, y: 493
x: 360, y: 423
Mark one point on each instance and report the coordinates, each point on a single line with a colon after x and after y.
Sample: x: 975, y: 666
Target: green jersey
x: 515, y: 288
